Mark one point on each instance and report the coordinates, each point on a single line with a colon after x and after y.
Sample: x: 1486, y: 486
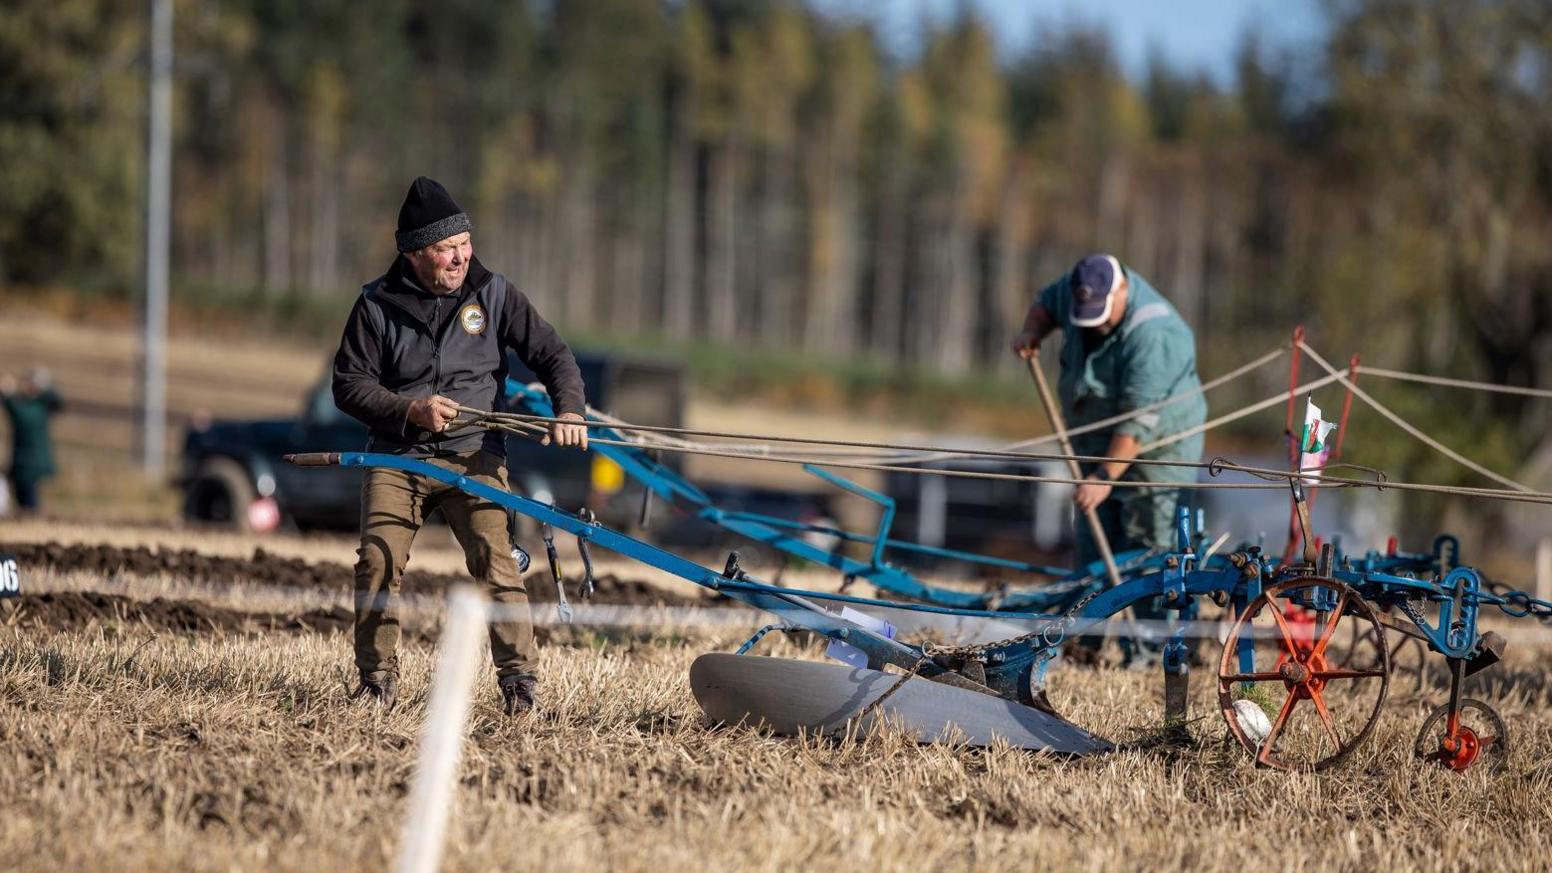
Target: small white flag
x: 1314, y: 444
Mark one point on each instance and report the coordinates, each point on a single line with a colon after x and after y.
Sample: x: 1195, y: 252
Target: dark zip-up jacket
x: 32, y: 450
x: 403, y: 343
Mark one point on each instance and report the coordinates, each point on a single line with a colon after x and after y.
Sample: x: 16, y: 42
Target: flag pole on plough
x: 1301, y: 454
x: 1314, y: 452
x: 1294, y: 536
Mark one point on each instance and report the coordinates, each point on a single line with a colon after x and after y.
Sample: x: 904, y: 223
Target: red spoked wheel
x: 1476, y: 735
x: 1282, y: 693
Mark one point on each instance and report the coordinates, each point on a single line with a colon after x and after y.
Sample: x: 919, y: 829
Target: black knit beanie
x: 428, y: 215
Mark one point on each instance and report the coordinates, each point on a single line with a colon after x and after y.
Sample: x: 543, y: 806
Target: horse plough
x: 1302, y: 675
x: 1309, y: 639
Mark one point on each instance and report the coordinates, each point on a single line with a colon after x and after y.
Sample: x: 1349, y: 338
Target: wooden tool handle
x: 1059, y: 425
x: 313, y: 459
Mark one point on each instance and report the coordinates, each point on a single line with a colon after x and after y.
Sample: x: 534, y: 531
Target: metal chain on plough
x: 931, y: 651
x: 910, y: 674
x: 1520, y: 604
x: 1049, y: 636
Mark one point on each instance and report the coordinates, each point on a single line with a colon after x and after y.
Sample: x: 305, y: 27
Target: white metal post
x: 153, y: 361
x: 1544, y: 570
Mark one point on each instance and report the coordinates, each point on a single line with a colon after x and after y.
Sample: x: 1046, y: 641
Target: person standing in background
x: 32, y: 447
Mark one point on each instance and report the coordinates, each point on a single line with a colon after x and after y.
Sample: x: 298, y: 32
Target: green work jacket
x: 1151, y: 356
x: 32, y: 452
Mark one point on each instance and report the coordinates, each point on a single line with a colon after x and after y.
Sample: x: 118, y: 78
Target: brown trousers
x: 394, y: 504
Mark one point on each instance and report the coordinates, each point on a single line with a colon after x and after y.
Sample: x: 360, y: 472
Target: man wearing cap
x: 428, y: 336
x: 1125, y: 348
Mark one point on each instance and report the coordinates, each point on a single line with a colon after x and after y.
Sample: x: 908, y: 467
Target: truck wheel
x: 220, y: 493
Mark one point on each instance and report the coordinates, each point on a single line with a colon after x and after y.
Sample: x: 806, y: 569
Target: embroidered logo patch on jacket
x: 472, y: 317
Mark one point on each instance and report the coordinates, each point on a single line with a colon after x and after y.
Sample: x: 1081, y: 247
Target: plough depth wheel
x: 1284, y: 697
x: 1478, y: 735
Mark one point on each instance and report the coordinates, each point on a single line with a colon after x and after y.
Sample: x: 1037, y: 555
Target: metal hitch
x: 586, y: 589
x: 731, y: 570
x: 562, y: 608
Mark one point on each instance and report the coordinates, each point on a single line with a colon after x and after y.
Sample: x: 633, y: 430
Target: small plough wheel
x: 1284, y: 697
x: 1477, y: 736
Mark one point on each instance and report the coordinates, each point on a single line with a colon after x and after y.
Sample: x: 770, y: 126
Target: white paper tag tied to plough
x: 849, y: 654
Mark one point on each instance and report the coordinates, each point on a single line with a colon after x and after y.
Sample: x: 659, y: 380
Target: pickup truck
x: 232, y: 474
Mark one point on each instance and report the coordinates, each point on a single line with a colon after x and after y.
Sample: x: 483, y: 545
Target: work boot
x: 383, y: 688
x: 517, y: 693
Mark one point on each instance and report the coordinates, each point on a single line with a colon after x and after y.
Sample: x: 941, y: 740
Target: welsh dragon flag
x: 1315, y: 444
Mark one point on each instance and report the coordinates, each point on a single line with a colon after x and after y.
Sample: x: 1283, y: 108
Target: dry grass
x: 119, y: 750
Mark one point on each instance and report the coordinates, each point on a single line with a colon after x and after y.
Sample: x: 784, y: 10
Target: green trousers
x: 1134, y: 518
x: 394, y: 504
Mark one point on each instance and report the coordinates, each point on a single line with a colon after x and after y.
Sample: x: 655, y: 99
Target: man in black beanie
x: 430, y: 335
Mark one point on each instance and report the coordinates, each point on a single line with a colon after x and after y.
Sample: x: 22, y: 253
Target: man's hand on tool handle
x: 1027, y: 344
x: 1037, y: 325
x: 1097, y: 489
x: 562, y: 434
x: 433, y: 413
x: 1091, y: 494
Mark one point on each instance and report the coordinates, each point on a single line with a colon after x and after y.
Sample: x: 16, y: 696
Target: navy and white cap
x: 1094, y: 282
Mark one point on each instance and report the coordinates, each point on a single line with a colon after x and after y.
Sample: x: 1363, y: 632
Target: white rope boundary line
x: 822, y: 456
x: 1410, y: 428
x: 920, y: 457
x: 1274, y: 400
x: 260, y: 600
x: 1104, y: 423
x: 1469, y: 384
x: 523, y: 423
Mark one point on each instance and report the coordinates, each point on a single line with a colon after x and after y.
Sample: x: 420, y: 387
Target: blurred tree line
x: 756, y: 173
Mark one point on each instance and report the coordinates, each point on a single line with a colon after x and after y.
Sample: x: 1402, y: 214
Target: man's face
x: 442, y: 266
x: 36, y: 381
x: 1117, y: 311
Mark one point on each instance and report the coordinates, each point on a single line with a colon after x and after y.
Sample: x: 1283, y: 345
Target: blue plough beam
x: 663, y: 482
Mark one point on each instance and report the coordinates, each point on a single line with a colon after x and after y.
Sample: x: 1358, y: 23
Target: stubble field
x: 195, y: 715
x: 178, y: 699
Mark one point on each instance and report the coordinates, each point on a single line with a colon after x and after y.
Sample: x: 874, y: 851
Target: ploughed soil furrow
x: 266, y: 569
x: 70, y: 610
